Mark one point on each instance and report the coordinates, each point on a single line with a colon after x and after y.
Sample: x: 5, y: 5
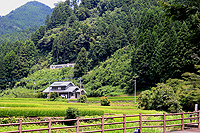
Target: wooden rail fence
x: 141, y: 123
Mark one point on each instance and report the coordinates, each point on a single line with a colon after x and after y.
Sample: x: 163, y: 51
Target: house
x: 66, y: 89
x: 62, y: 65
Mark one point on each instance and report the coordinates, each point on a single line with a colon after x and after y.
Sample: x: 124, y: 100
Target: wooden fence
x: 184, y: 118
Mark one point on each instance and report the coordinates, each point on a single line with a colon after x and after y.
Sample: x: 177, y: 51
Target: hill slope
x: 21, y: 35
x: 158, y: 48
x: 29, y: 15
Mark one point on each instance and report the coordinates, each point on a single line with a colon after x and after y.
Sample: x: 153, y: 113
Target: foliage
x: 53, y: 95
x: 41, y: 95
x: 71, y: 113
x: 81, y: 66
x: 82, y: 99
x: 112, y: 77
x: 8, y: 120
x: 180, y: 11
x: 17, y: 62
x: 104, y: 101
x: 21, y: 35
x: 40, y: 78
x: 123, y: 41
x: 186, y: 91
x: 18, y: 92
x: 160, y: 98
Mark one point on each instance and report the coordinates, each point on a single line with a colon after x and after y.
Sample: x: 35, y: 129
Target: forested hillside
x: 21, y: 35
x: 113, y: 42
x: 31, y: 14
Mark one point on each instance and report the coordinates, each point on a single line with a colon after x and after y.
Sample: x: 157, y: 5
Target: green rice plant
x: 117, y: 98
x: 43, y: 112
x: 91, y: 112
x: 19, y: 105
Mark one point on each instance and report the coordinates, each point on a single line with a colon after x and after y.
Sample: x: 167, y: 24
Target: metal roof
x: 61, y: 83
x: 72, y: 88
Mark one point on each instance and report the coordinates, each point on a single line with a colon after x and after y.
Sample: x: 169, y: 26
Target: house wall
x: 62, y: 65
x: 58, y: 88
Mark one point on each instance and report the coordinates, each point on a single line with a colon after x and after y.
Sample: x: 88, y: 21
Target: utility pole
x: 49, y: 89
x: 34, y: 88
x: 135, y: 89
x: 80, y: 85
x: 13, y: 90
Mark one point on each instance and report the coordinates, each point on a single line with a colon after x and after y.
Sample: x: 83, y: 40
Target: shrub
x: 160, y: 98
x: 82, y: 99
x: 71, y: 113
x: 54, y: 95
x: 105, y: 101
x: 41, y: 95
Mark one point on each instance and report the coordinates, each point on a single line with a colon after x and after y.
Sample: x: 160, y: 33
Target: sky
x: 6, y: 6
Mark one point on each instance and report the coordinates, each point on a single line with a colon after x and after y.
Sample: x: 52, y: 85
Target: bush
x: 71, y: 113
x: 160, y: 98
x: 41, y: 95
x: 82, y: 99
x: 54, y: 95
x: 105, y: 101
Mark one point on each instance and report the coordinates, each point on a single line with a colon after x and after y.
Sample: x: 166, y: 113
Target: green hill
x: 31, y: 14
x: 112, y: 42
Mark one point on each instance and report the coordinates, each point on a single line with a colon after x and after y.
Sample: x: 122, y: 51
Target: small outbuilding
x: 66, y: 89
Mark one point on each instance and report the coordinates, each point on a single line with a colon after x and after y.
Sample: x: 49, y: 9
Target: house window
x: 59, y: 88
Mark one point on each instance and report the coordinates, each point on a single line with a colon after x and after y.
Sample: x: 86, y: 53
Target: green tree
x: 2, y: 75
x: 188, y: 11
x: 82, y: 13
x: 20, y: 65
x: 32, y: 53
x: 38, y: 35
x: 81, y: 66
x: 9, y: 63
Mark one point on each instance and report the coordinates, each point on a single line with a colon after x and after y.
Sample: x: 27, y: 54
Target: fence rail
x: 124, y: 122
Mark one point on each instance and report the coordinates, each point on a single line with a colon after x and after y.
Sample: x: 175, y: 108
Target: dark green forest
x: 112, y: 42
x: 21, y: 35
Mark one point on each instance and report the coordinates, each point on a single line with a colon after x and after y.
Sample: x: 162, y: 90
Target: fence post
x: 164, y: 123
x: 124, y: 125
x: 182, y: 121
x: 199, y: 119
x: 140, y: 122
x: 20, y: 126
x: 49, y: 126
x: 102, y: 124
x: 77, y: 124
x: 190, y: 118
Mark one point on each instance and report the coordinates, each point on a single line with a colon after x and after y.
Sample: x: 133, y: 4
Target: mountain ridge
x: 31, y: 14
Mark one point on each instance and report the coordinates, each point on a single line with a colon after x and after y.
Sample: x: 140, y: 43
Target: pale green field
x: 24, y: 107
